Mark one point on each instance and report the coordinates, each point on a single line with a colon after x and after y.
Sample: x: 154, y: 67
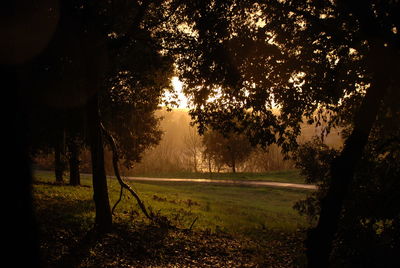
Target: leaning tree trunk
x: 115, y: 159
x: 74, y: 175
x: 103, y: 219
x: 320, y: 239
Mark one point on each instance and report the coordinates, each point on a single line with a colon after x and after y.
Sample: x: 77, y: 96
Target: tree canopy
x: 319, y: 61
x: 241, y: 59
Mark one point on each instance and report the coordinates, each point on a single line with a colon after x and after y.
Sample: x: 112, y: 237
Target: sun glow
x: 182, y: 100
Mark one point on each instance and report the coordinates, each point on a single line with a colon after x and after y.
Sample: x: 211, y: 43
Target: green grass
x: 233, y: 209
x: 292, y: 176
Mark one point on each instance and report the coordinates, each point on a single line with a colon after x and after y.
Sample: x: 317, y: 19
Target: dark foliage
x: 313, y: 159
x: 138, y: 79
x: 323, y: 61
x: 369, y: 232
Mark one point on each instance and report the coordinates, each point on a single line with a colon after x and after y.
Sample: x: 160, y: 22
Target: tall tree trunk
x: 103, y: 219
x: 58, y: 161
x: 233, y: 166
x: 320, y: 239
x: 74, y: 175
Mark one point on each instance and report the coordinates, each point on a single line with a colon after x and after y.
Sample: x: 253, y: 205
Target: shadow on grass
x: 64, y: 211
x: 62, y: 223
x: 121, y: 245
x: 68, y: 239
x: 38, y: 182
x: 78, y: 251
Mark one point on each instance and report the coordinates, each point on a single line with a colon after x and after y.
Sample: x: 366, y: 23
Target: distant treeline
x: 182, y: 149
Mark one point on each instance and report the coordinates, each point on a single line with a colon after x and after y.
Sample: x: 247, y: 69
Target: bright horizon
x: 182, y: 100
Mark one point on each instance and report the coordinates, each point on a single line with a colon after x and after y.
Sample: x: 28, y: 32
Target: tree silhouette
x: 138, y: 78
x: 230, y: 150
x: 193, y: 145
x: 324, y: 61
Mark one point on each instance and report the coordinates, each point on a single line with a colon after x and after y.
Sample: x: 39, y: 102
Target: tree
x: 73, y: 160
x: 103, y: 218
x: 269, y: 159
x: 91, y: 65
x: 76, y: 141
x: 230, y: 150
x: 129, y: 81
x: 137, y: 80
x: 193, y: 144
x: 59, y: 152
x: 48, y: 134
x: 369, y: 227
x: 58, y: 131
x: 74, y: 64
x: 321, y: 60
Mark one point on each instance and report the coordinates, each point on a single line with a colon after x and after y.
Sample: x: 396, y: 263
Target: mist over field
x: 181, y: 146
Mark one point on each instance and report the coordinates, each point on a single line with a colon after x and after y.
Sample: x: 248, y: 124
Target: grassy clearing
x: 235, y: 227
x: 232, y: 209
x: 292, y: 176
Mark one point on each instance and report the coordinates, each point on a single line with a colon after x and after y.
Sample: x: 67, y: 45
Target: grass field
x: 232, y: 209
x: 235, y: 226
x: 292, y: 176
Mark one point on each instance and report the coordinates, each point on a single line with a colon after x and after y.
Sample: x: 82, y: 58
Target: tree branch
x: 111, y: 141
x: 119, y: 200
x: 120, y: 41
x: 166, y: 18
